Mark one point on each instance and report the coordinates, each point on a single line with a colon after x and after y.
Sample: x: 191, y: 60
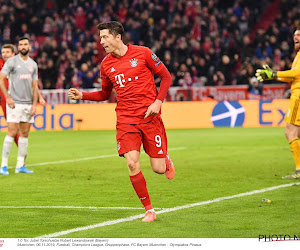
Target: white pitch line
x: 71, y: 160
x: 89, y: 158
x: 72, y: 207
x: 167, y: 210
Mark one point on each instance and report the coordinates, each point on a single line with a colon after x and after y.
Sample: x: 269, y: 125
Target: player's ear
x: 119, y: 37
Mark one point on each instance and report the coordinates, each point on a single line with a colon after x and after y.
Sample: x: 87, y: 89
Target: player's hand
x: 33, y: 110
x: 153, y: 109
x: 42, y: 100
x: 265, y: 74
x: 10, y: 102
x: 74, y: 94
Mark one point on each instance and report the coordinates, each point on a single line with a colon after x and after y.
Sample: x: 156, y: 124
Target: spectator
x: 243, y: 76
x: 246, y: 53
x: 50, y: 75
x: 87, y: 76
x: 180, y: 74
x: 68, y: 35
x: 255, y: 89
x: 226, y: 67
x: 218, y: 79
x: 186, y: 81
x: 202, y: 68
x: 80, y: 19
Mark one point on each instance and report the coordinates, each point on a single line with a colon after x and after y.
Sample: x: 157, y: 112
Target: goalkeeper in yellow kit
x: 292, y: 117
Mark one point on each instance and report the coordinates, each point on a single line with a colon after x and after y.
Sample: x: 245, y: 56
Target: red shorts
x: 151, y: 134
x: 3, y: 105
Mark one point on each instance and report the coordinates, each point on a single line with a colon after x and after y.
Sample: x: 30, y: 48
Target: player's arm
x: 101, y: 95
x: 98, y: 96
x: 268, y: 74
x: 284, y: 79
x: 35, y: 90
x: 292, y: 73
x: 166, y: 80
x: 41, y: 98
x: 10, y: 102
x: 35, y: 97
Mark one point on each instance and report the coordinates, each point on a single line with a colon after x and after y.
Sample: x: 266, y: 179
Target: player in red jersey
x: 7, y: 51
x: 129, y: 69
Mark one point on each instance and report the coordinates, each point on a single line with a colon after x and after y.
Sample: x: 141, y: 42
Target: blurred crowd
x: 202, y: 42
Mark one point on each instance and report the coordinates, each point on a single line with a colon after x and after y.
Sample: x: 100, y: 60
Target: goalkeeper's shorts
x: 293, y: 114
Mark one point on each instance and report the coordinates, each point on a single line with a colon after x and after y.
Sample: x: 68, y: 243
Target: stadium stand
x: 203, y: 43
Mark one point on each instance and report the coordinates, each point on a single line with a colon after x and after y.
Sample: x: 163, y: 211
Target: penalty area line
x: 167, y: 210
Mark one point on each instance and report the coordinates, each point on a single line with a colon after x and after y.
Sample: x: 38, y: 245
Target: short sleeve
x: 8, y: 67
x: 35, y: 76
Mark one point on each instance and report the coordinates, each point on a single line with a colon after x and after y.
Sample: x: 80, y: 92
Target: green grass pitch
x: 210, y: 163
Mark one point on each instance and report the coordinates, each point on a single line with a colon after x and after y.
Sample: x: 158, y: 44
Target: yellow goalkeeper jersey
x: 292, y: 75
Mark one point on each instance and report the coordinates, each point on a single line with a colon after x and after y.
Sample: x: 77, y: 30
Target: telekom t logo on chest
x: 120, y: 80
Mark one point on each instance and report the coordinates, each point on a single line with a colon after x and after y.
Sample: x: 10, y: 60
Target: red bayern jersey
x: 132, y: 77
x: 6, y: 81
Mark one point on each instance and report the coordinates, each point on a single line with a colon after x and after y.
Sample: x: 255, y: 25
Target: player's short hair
x: 23, y: 38
x: 8, y: 46
x: 115, y: 28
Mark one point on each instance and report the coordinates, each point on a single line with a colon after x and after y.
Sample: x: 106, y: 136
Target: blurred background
x: 209, y: 46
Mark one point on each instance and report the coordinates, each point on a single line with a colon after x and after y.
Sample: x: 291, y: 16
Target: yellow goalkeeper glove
x: 265, y: 74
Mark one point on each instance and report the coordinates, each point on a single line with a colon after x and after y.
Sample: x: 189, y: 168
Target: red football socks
x: 17, y: 139
x: 139, y: 184
x: 167, y: 162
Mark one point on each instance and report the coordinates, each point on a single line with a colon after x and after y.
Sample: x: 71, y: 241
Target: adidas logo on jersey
x: 160, y: 152
x: 112, y: 69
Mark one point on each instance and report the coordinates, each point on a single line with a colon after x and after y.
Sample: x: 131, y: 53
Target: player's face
x: 6, y: 53
x: 24, y: 47
x: 108, y: 41
x: 297, y: 40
